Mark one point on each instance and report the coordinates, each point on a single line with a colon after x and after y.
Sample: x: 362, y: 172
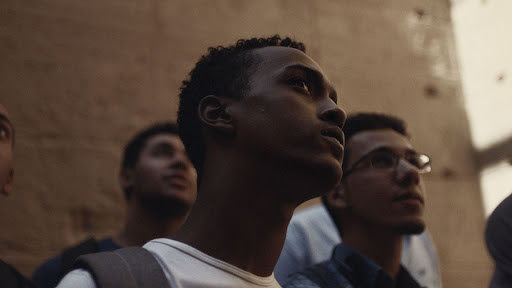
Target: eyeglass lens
x: 390, y: 160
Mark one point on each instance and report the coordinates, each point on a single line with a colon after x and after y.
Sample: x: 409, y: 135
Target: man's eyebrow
x: 308, y: 70
x: 162, y: 144
x: 379, y: 149
x: 411, y: 151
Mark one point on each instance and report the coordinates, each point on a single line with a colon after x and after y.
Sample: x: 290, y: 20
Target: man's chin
x: 329, y: 173
x: 165, y: 206
x: 413, y: 227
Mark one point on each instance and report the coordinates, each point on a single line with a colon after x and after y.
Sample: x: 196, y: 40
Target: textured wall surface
x: 80, y: 77
x: 481, y: 30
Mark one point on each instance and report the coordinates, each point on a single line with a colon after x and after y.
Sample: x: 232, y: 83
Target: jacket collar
x: 364, y: 273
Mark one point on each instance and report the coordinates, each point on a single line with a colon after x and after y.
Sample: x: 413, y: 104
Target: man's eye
x: 415, y: 161
x: 162, y: 152
x: 3, y: 133
x: 300, y: 83
x: 383, y: 161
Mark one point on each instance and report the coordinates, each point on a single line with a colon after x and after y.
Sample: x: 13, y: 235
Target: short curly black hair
x: 224, y: 72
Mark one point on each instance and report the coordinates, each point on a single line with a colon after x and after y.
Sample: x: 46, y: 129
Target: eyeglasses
x: 386, y: 159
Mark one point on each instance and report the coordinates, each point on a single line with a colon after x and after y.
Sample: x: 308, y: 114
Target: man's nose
x: 330, y: 112
x: 407, y: 174
x: 179, y: 161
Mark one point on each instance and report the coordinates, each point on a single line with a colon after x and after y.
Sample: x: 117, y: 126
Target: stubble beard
x: 411, y: 228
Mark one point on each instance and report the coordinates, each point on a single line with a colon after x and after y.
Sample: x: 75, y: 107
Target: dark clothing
x: 11, y: 278
x: 498, y: 237
x: 349, y: 269
x: 49, y: 274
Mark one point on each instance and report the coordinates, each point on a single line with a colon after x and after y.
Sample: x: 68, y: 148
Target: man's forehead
x: 166, y: 138
x: 369, y: 140
x: 278, y: 57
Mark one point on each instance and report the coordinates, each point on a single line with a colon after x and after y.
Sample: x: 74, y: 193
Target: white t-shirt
x: 185, y: 267
x: 312, y: 235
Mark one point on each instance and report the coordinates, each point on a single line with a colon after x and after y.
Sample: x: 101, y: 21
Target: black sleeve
x: 11, y: 278
x: 48, y: 274
x: 52, y: 271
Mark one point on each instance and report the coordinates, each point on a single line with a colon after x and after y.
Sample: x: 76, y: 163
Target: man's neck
x: 240, y: 216
x: 383, y: 248
x: 142, y: 226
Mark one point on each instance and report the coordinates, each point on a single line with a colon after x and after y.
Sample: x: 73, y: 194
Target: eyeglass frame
x: 353, y: 167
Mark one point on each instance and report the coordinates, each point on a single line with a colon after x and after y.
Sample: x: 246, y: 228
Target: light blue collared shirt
x: 312, y: 236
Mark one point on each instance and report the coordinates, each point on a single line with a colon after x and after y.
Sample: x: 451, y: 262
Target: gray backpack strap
x: 145, y: 268
x: 108, y: 269
x: 132, y: 267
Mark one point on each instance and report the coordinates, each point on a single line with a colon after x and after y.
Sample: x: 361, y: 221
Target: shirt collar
x: 364, y: 272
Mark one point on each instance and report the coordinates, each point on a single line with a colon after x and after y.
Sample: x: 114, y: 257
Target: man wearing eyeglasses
x: 379, y: 202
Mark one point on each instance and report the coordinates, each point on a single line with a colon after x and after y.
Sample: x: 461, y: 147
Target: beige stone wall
x: 80, y: 77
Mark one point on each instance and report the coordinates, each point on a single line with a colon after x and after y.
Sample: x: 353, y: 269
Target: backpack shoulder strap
x: 145, y: 268
x: 131, y: 267
x: 70, y: 254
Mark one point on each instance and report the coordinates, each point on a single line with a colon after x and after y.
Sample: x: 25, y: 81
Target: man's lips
x: 177, y: 179
x: 409, y: 196
x: 334, y: 132
x: 335, y: 139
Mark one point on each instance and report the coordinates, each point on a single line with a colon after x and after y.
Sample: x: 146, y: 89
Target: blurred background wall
x: 482, y: 29
x: 79, y: 78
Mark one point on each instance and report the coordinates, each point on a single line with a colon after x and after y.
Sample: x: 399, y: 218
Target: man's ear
x: 337, y: 197
x: 214, y: 114
x: 126, y: 178
x: 7, y: 189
